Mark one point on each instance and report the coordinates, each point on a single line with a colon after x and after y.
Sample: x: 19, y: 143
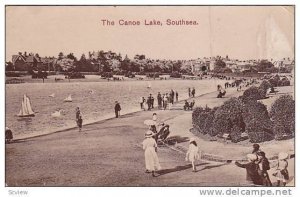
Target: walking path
x: 109, y: 153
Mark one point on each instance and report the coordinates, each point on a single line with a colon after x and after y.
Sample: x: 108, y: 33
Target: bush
x: 284, y: 82
x: 257, y: 122
x: 208, y: 125
x: 253, y: 94
x: 199, y: 117
x: 228, y: 118
x: 265, y: 85
x: 175, y: 75
x: 274, y: 81
x: 282, y: 114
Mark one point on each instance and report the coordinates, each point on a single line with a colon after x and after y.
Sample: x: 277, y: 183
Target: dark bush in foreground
x: 284, y: 82
x: 274, y: 80
x: 264, y: 86
x: 257, y: 122
x: 282, y: 114
x: 253, y: 94
x: 199, y: 116
x: 228, y: 118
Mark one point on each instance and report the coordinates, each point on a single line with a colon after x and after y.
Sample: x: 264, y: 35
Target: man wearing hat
x: 264, y: 166
x: 151, y: 158
x: 117, y: 109
x: 256, y: 149
x: 251, y: 169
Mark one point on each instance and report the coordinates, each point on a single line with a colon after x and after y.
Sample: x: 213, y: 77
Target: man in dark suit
x: 117, y: 109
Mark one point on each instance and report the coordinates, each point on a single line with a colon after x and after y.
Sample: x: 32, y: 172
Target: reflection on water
x: 95, y: 99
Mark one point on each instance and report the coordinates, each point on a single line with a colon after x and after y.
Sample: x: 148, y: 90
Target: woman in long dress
x: 192, y: 155
x: 151, y: 159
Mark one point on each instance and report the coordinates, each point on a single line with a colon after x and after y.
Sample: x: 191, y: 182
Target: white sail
x: 68, y: 99
x: 26, y: 109
x: 149, y: 85
x: 52, y: 95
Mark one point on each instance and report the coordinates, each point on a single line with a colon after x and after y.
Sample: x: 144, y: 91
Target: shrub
x: 253, y: 94
x: 265, y: 85
x: 284, y: 82
x: 282, y: 114
x: 208, y: 125
x: 199, y: 116
x: 257, y: 122
x: 228, y: 116
x: 274, y: 81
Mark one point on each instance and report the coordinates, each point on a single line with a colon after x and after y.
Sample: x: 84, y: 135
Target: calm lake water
x: 95, y: 99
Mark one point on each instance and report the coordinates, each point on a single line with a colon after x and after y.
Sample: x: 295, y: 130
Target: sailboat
x: 68, y: 99
x: 26, y: 110
x: 52, y: 95
x: 149, y: 85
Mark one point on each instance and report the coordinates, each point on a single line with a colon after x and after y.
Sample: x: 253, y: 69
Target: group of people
x: 192, y: 92
x: 151, y: 159
x: 163, y: 100
x: 258, y: 166
x: 221, y: 91
x: 188, y: 106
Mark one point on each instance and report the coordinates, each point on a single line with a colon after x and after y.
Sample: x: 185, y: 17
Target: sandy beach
x: 109, y: 153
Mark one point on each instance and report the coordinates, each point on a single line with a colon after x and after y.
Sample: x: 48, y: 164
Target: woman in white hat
x: 252, y: 175
x: 282, y: 173
x: 192, y: 154
x: 151, y: 159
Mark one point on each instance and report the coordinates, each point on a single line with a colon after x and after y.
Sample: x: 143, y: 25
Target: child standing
x: 282, y: 173
x: 192, y: 155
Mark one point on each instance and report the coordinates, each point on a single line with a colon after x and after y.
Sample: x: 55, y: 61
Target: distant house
x: 285, y: 62
x: 34, y: 62
x: 19, y: 62
x: 48, y: 63
x: 200, y: 65
x: 24, y: 62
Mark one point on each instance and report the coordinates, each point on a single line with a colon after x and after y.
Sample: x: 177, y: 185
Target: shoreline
x: 100, y: 120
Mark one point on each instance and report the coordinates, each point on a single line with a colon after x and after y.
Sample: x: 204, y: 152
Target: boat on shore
x: 26, y: 109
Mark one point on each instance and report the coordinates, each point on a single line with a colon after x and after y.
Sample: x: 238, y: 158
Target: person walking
x: 192, y: 154
x: 159, y: 100
x: 189, y: 92
x: 172, y: 96
x: 151, y: 158
x: 142, y: 101
x: 79, y: 119
x: 281, y: 172
x: 165, y: 101
x: 252, y: 176
x: 193, y: 92
x: 152, y: 101
x: 117, y: 109
x: 176, y: 96
x: 263, y: 167
x: 149, y: 103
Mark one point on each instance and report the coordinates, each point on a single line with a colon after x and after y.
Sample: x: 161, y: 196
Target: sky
x: 241, y: 32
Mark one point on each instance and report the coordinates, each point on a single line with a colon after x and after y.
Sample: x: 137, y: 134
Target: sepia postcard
x: 194, y: 96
